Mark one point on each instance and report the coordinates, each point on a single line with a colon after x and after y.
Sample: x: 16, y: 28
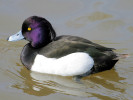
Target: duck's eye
x: 29, y: 29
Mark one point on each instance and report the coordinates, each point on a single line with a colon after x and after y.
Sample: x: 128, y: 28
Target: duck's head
x: 37, y: 30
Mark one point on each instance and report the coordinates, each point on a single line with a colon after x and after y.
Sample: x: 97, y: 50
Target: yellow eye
x: 29, y: 29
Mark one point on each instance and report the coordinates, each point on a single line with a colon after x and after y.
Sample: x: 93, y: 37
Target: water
x: 107, y: 22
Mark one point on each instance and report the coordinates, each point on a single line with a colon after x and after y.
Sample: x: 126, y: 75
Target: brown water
x: 107, y: 22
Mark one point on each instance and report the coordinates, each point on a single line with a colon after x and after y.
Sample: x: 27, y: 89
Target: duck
x: 63, y: 55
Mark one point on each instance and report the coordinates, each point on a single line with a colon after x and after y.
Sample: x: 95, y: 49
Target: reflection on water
x: 44, y: 84
x: 105, y: 85
x: 31, y: 86
x: 84, y: 20
x: 130, y: 28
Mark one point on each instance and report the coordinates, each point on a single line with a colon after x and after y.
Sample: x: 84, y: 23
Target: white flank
x: 73, y: 64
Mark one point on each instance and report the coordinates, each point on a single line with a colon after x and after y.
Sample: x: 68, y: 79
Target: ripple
x: 83, y: 20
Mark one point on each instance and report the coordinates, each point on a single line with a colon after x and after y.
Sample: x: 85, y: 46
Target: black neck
x: 28, y: 55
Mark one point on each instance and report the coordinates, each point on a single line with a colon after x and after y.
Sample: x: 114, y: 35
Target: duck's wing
x: 65, y: 45
x: 83, y: 41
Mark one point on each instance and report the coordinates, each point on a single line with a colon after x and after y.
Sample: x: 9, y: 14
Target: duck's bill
x: 16, y: 37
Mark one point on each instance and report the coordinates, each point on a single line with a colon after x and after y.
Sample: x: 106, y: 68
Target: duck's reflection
x: 30, y: 86
x: 43, y: 84
x: 100, y: 85
x: 58, y: 83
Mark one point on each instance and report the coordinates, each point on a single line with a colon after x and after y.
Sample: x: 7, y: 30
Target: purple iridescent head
x: 37, y: 30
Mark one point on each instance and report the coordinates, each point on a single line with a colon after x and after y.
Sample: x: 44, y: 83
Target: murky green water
x: 107, y: 22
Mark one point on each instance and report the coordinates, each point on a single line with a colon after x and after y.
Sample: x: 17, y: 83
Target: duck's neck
x: 28, y: 55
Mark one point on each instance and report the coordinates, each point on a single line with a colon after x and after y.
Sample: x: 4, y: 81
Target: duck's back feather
x: 65, y: 45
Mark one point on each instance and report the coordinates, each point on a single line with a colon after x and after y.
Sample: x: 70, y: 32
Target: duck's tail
x: 121, y: 56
